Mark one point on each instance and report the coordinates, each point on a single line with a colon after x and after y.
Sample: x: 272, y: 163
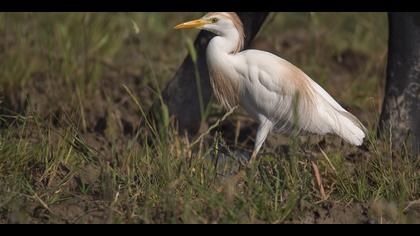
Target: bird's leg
x: 263, y: 130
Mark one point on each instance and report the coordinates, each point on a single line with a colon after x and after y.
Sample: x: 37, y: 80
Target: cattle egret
x: 277, y: 94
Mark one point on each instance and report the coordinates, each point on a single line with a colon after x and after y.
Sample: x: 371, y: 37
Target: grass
x: 74, y: 90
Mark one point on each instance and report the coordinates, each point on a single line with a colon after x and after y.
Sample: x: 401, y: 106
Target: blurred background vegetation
x: 80, y: 48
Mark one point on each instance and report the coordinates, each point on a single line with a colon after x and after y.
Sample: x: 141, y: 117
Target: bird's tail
x: 336, y: 119
x: 349, y: 128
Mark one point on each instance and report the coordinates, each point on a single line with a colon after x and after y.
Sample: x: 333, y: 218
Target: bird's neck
x: 221, y: 48
x: 220, y: 60
x: 230, y: 42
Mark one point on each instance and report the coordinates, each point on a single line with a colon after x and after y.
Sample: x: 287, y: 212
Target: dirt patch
x: 335, y: 213
x: 101, y: 113
x: 341, y: 214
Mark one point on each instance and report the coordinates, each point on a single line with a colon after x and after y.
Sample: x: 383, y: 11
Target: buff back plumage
x: 303, y: 105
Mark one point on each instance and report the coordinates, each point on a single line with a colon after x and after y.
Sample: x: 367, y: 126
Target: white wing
x: 285, y: 95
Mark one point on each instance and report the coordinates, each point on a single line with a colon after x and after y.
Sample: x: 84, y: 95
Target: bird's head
x: 219, y: 23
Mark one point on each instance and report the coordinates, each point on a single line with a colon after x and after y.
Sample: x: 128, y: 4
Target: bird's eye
x: 214, y: 20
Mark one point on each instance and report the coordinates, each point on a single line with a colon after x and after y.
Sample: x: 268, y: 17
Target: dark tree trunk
x: 401, y: 108
x: 181, y: 94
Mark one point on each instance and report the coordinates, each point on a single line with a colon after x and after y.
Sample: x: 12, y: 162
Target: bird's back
x: 286, y: 96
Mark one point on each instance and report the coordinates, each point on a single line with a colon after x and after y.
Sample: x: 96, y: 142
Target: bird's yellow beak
x: 192, y: 24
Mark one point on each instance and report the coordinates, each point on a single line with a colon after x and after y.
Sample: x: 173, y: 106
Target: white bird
x: 277, y: 94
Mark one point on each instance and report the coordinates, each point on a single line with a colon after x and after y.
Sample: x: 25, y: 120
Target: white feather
x: 275, y: 92
x: 270, y: 87
x: 341, y: 121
